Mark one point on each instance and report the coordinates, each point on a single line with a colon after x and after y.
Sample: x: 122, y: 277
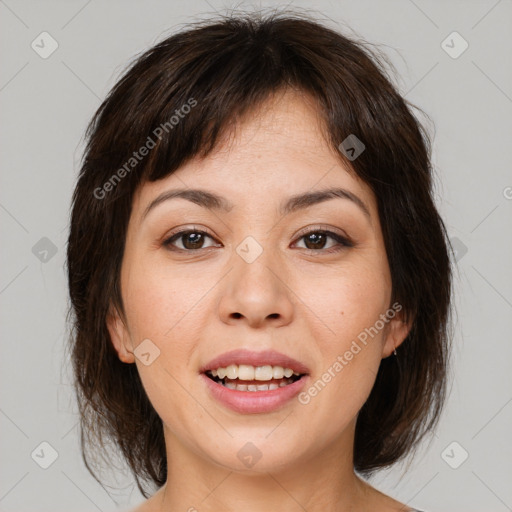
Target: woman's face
x: 261, y: 277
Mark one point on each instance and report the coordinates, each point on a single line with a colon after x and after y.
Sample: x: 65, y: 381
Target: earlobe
x: 397, y: 331
x: 119, y: 337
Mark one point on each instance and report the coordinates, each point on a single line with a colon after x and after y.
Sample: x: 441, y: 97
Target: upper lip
x: 244, y: 356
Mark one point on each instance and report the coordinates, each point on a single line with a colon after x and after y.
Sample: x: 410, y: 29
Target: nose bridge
x: 255, y: 288
x: 254, y: 272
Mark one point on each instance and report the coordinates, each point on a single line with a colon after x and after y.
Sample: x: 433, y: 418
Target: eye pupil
x: 195, y: 237
x: 317, y: 239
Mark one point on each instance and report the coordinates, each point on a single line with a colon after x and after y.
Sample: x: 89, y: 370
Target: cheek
x: 348, y: 301
x: 351, y: 334
x: 164, y: 309
x: 160, y: 300
x: 171, y: 306
x: 350, y: 304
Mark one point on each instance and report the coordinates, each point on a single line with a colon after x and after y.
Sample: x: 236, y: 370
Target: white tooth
x: 278, y: 372
x: 295, y: 373
x: 241, y: 387
x: 263, y: 373
x: 288, y: 372
x: 252, y: 387
x: 230, y: 385
x: 232, y: 371
x: 214, y: 373
x: 262, y: 387
x: 282, y: 384
x: 273, y: 386
x: 246, y: 372
x: 221, y: 373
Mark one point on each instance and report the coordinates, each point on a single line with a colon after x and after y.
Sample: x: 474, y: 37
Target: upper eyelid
x: 321, y: 227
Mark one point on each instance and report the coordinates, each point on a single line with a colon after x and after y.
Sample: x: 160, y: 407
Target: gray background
x: 45, y: 105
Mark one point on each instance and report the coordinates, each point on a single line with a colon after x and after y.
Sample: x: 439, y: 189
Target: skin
x: 297, y: 299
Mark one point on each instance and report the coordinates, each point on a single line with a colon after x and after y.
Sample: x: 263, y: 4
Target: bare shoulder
x: 152, y: 504
x: 377, y: 500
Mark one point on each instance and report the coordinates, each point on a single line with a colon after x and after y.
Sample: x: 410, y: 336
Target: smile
x: 263, y: 393
x: 250, y: 378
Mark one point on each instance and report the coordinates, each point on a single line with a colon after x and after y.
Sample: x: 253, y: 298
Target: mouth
x: 247, y: 378
x: 247, y: 389
x: 250, y: 382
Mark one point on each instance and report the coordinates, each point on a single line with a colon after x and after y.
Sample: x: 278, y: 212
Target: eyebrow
x: 212, y: 201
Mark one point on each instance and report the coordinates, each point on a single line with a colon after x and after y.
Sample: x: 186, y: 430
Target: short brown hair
x: 229, y: 66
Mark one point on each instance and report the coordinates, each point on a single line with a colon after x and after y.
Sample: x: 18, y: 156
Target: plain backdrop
x: 463, y: 81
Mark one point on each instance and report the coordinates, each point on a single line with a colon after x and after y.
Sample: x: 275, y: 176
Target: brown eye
x: 190, y: 240
x: 316, y: 241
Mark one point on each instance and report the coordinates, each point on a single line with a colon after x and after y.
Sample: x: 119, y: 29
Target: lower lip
x: 252, y: 402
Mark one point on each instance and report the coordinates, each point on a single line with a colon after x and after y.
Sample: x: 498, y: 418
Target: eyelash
x: 343, y: 242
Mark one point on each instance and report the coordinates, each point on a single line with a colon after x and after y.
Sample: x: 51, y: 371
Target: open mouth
x: 266, y: 378
x: 258, y: 389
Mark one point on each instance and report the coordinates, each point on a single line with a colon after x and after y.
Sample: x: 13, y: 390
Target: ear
x: 395, y: 333
x: 120, y: 336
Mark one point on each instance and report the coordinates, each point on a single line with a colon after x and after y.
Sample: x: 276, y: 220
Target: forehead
x: 276, y: 150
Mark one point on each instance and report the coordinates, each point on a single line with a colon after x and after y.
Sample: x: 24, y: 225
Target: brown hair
x: 228, y: 66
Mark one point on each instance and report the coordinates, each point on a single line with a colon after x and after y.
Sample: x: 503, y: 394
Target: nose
x: 256, y: 293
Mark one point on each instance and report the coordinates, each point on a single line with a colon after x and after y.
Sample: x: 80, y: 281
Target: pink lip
x: 252, y: 402
x: 244, y: 356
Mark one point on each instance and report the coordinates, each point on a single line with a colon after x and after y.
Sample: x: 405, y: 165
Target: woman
x: 259, y: 277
